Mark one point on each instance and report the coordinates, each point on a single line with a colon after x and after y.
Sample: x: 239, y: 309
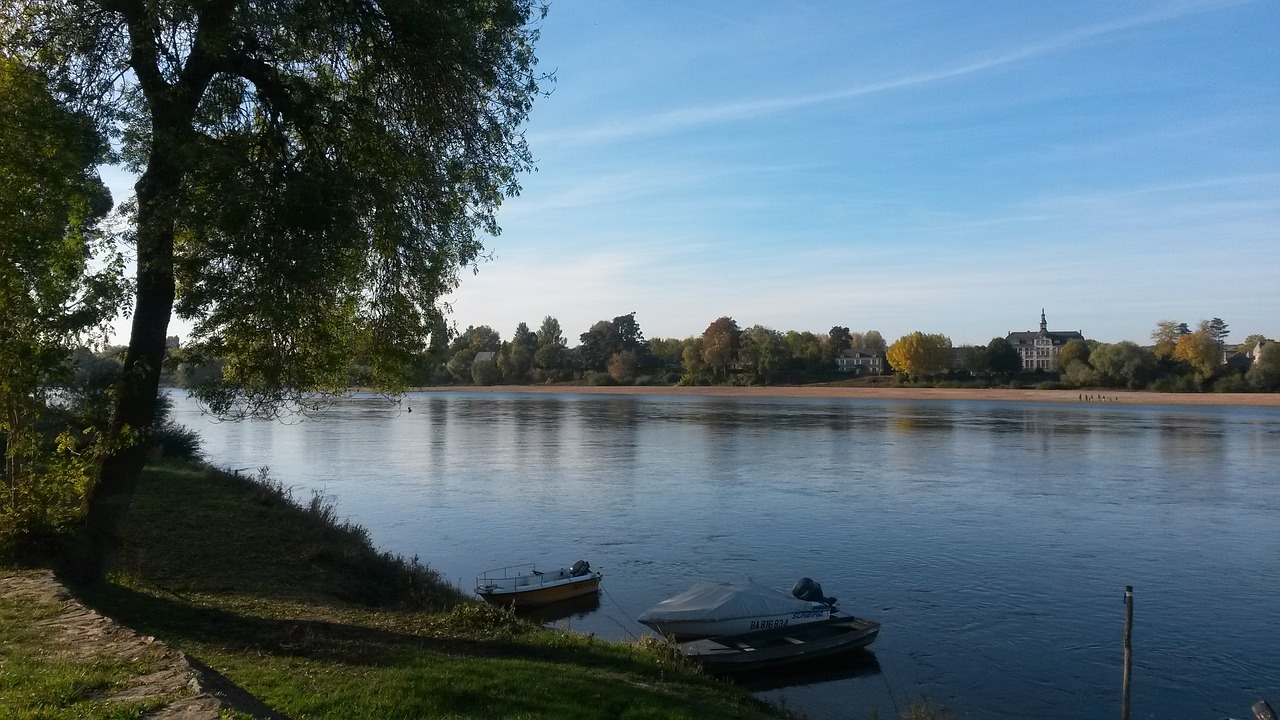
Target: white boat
x: 524, y: 586
x: 709, y: 609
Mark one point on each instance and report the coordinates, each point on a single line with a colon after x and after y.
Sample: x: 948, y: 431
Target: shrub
x: 1186, y: 383
x: 1233, y: 383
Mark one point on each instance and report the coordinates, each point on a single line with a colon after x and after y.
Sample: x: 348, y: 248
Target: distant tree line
x: 616, y: 352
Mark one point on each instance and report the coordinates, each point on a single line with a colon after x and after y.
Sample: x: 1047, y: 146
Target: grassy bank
x: 300, y: 611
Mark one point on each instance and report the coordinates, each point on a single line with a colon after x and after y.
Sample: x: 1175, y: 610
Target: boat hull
x: 524, y: 587
x: 771, y: 648
x: 543, y: 595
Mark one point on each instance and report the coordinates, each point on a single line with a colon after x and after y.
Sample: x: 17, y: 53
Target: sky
x: 897, y: 166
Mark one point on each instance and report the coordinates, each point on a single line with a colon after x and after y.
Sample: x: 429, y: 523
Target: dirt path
x: 79, y: 632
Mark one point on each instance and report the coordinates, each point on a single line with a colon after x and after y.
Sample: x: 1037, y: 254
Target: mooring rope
x: 615, y: 620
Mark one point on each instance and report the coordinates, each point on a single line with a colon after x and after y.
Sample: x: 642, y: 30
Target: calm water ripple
x: 993, y: 541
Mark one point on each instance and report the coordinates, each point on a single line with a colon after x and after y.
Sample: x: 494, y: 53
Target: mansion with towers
x: 1040, y: 349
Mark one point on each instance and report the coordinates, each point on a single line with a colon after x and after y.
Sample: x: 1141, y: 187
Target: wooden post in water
x: 1128, y: 649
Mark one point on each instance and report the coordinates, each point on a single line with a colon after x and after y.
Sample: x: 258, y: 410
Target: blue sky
x: 897, y: 166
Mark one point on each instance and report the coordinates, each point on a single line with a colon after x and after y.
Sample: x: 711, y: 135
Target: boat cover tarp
x: 712, y: 601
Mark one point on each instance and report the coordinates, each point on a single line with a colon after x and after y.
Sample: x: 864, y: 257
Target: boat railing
x: 507, y: 573
x: 514, y: 577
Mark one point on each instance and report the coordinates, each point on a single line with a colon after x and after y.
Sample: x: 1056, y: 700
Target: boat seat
x: 792, y: 640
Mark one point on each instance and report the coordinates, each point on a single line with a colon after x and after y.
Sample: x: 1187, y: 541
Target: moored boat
x: 743, y: 652
x: 709, y: 608
x: 525, y: 586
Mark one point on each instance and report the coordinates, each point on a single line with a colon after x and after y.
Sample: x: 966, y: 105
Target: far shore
x: 1075, y: 397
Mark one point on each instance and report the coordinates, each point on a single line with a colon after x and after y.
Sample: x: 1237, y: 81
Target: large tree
x: 1002, y: 357
x: 920, y: 354
x: 312, y: 176
x: 1264, y: 374
x: 720, y: 344
x: 551, y: 354
x: 1123, y: 363
x: 764, y: 351
x: 59, y: 286
x: 838, y: 338
x: 1200, y: 350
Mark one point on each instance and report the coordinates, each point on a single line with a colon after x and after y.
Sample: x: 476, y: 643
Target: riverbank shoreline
x: 1073, y: 397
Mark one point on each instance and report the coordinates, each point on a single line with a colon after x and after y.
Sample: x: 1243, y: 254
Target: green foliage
x: 1231, y: 383
x: 608, y: 338
x: 623, y: 367
x: 1002, y: 358
x: 1124, y: 364
x: 719, y: 346
x: 1264, y: 374
x: 838, y: 338
x: 60, y: 283
x: 485, y: 372
x: 1075, y: 351
x: 1078, y: 373
x: 764, y: 352
x: 299, y: 609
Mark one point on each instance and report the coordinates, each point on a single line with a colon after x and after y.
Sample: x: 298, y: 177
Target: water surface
x: 993, y: 541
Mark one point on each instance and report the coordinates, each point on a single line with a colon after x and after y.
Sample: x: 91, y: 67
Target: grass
x: 302, y: 612
x: 36, y: 682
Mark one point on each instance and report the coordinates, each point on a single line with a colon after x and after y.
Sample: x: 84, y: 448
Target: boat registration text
x: 784, y: 622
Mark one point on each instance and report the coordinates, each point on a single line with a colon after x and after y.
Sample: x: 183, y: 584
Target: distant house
x: 485, y: 356
x: 860, y: 361
x: 1040, y: 349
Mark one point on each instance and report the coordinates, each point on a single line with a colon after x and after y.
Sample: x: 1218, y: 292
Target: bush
x: 1233, y: 383
x: 595, y: 378
x: 1189, y: 383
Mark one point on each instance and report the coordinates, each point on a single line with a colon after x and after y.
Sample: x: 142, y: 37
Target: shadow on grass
x: 183, y: 624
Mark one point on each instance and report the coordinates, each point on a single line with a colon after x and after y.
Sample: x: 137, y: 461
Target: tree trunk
x: 134, y: 411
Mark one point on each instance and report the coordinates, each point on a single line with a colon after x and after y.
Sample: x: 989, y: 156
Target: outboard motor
x: 810, y: 591
x: 580, y: 568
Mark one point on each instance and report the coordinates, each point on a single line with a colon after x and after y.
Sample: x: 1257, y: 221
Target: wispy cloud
x: 693, y: 117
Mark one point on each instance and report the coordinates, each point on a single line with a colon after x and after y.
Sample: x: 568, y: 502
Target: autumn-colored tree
x: 1073, y: 352
x: 623, y: 366
x: 1165, y: 337
x: 720, y: 344
x: 920, y: 354
x: 1200, y: 350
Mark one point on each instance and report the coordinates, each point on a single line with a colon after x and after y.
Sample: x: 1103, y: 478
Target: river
x: 993, y: 541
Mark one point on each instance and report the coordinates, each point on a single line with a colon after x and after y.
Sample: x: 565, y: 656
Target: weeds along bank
x: 300, y: 610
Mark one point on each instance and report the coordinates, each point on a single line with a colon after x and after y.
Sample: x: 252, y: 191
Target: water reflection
x: 571, y: 609
x: 855, y: 663
x: 991, y: 540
